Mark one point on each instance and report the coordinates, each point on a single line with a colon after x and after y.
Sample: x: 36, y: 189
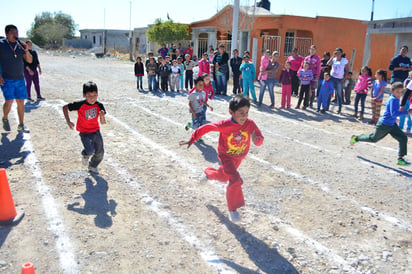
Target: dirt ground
x: 314, y: 204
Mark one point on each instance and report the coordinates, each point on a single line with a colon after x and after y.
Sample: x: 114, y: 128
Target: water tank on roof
x: 264, y: 4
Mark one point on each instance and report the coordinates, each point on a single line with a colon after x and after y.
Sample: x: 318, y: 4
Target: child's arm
x: 380, y: 93
x: 192, y: 109
x: 206, y: 104
x: 257, y: 136
x: 102, y: 115
x: 200, y: 132
x: 66, y: 115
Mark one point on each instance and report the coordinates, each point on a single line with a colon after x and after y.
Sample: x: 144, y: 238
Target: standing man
x: 12, y: 54
x: 400, y: 66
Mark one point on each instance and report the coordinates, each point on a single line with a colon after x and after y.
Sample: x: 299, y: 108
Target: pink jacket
x: 264, y: 62
x: 315, y: 64
x: 204, y: 67
x: 364, y: 84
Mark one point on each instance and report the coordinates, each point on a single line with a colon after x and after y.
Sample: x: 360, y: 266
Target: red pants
x: 286, y: 94
x: 228, y: 172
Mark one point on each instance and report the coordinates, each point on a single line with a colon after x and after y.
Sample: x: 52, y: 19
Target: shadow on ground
x: 96, y: 203
x: 208, y: 151
x: 11, y: 149
x: 400, y: 171
x: 267, y: 259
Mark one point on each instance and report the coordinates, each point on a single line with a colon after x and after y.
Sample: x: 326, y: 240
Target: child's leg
x: 378, y: 105
x: 263, y: 85
x: 357, y: 98
x: 301, y: 93
x: 245, y: 88
x: 401, y: 137
x: 380, y: 132
x: 87, y: 141
x: 288, y: 91
x: 252, y: 90
x: 363, y: 99
x: 306, y: 95
x: 283, y: 100
x: 409, y: 123
x: 98, y: 149
x: 406, y: 96
x: 191, y: 80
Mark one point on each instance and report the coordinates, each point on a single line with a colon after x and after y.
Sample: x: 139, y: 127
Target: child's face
x: 207, y: 80
x: 91, y: 97
x: 306, y: 66
x: 398, y: 92
x: 246, y: 59
x: 364, y: 71
x: 167, y: 59
x: 378, y: 76
x: 179, y: 61
x: 199, y: 86
x: 240, y: 116
x: 287, y: 65
x: 327, y: 77
x: 152, y: 61
x: 174, y: 63
x: 235, y: 53
x: 205, y: 57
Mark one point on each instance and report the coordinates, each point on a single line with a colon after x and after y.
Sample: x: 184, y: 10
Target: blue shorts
x: 14, y: 89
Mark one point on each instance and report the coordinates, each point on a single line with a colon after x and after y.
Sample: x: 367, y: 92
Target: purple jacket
x: 305, y: 76
x: 163, y: 52
x: 286, y: 77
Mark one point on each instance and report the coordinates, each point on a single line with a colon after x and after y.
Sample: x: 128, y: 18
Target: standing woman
x: 315, y: 67
x: 296, y: 61
x: 263, y: 74
x: 31, y: 74
x: 338, y: 73
x: 220, y: 63
x: 271, y: 69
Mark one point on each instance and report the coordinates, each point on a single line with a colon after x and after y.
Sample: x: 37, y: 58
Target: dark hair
x: 139, y: 58
x: 396, y: 85
x: 307, y: 63
x: 350, y: 72
x: 198, y: 79
x: 339, y: 49
x: 205, y: 53
x: 327, y: 53
x: 89, y: 87
x: 383, y: 73
x: 368, y: 69
x: 246, y: 56
x: 221, y: 46
x: 326, y: 73
x: 204, y: 74
x: 288, y: 62
x: 295, y: 49
x: 9, y: 28
x: 235, y: 50
x: 406, y: 47
x: 237, y: 102
x: 150, y: 53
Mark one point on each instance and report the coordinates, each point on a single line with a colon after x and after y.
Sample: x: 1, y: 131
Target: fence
x: 226, y: 43
x: 301, y: 43
x: 202, y: 47
x: 272, y: 43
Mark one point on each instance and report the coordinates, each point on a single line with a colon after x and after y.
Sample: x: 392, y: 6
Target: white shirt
x: 338, y: 67
x: 409, y: 86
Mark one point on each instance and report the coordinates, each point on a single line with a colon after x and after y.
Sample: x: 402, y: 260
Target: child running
x: 377, y: 95
x: 234, y: 143
x: 196, y: 101
x: 387, y: 125
x: 286, y: 81
x: 88, y: 111
x: 208, y: 89
x: 362, y: 87
x: 325, y: 92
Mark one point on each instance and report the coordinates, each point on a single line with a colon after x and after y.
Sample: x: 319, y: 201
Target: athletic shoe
x: 85, y: 160
x: 22, y: 128
x: 323, y: 111
x: 353, y: 139
x: 200, y: 140
x: 234, y: 216
x: 402, y: 162
x: 6, y: 125
x: 30, y: 99
x: 41, y: 98
x: 203, y: 179
x: 93, y: 170
x: 188, y: 126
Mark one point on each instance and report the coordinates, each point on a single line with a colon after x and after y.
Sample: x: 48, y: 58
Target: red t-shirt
x: 234, y: 139
x: 88, y: 115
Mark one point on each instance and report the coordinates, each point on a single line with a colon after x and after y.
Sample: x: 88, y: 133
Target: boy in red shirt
x: 234, y: 143
x: 88, y: 111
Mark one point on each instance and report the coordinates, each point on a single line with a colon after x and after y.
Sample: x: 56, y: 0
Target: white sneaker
x: 234, y: 216
x: 85, y: 160
x: 93, y: 170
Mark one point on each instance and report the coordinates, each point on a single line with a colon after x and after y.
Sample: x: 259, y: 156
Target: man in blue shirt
x: 400, y: 66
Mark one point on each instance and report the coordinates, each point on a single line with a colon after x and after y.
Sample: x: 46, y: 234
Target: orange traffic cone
x: 8, y: 213
x: 27, y: 268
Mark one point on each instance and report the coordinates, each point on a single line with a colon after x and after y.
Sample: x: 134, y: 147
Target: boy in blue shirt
x: 387, y: 125
x: 325, y: 92
x: 248, y: 75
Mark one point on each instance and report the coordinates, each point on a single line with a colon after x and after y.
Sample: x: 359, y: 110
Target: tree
x: 49, y: 29
x: 167, y: 32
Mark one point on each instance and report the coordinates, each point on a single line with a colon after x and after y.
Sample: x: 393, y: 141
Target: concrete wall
x: 77, y: 43
x: 116, y: 39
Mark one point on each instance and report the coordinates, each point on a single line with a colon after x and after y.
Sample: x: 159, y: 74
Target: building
x: 108, y: 40
x: 259, y: 29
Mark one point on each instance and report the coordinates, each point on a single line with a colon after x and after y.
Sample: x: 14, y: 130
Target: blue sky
x: 90, y: 13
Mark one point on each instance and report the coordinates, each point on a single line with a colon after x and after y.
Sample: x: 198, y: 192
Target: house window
x: 100, y: 40
x: 85, y: 37
x: 94, y: 39
x: 289, y: 43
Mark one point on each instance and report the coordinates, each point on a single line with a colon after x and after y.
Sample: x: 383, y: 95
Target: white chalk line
x: 206, y: 251
x: 184, y: 164
x: 64, y: 247
x: 324, y: 187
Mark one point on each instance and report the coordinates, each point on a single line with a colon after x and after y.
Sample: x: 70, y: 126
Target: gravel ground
x: 314, y: 204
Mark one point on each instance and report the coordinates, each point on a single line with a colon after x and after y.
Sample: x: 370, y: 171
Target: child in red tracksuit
x: 234, y: 143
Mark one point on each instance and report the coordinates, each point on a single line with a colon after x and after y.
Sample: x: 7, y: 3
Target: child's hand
x: 102, y: 117
x: 184, y: 143
x: 71, y: 125
x: 402, y: 108
x: 254, y: 138
x: 194, y: 115
x: 211, y: 108
x: 373, y: 99
x: 410, y: 112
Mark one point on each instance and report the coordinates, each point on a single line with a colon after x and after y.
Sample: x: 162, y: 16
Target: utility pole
x: 235, y: 25
x: 367, y: 50
x: 130, y: 31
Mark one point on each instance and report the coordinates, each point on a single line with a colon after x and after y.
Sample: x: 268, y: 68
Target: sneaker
x: 40, y: 98
x: 402, y: 162
x: 22, y: 128
x: 318, y: 110
x: 85, y: 160
x: 323, y: 111
x: 188, y: 126
x: 30, y: 99
x: 93, y: 170
x: 297, y: 107
x: 303, y: 108
x: 6, y: 125
x: 234, y: 216
x: 200, y: 140
x: 353, y: 139
x: 203, y: 179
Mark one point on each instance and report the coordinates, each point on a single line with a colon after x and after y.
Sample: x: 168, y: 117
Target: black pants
x: 348, y: 92
x: 304, y: 92
x: 405, y: 97
x: 164, y: 82
x: 295, y: 83
x: 189, y: 78
x: 236, y: 83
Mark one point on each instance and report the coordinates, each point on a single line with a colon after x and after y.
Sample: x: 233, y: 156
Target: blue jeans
x: 249, y: 85
x: 270, y: 83
x: 93, y: 145
x: 338, y: 88
x: 199, y: 120
x: 362, y: 98
x: 139, y: 80
x: 152, y: 83
x: 402, y: 118
x: 221, y: 83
